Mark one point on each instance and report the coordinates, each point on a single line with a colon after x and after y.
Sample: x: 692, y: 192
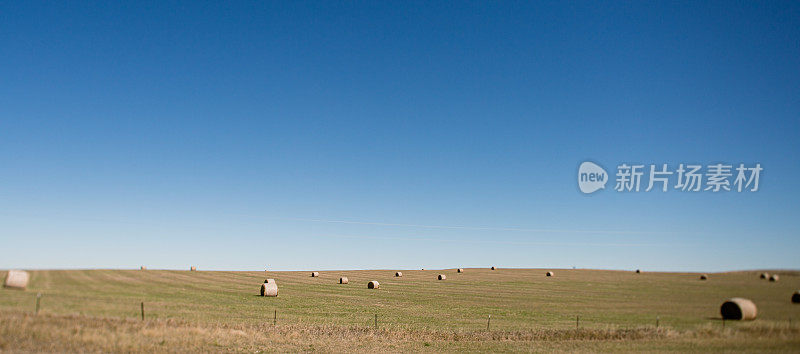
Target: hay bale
x: 764, y: 276
x: 461, y: 270
x: 314, y: 274
x: 796, y: 297
x: 494, y: 268
x: 373, y: 285
x: 773, y: 278
x: 344, y: 280
x: 442, y: 277
x: 398, y: 274
x: 638, y: 271
x: 192, y: 269
x: 703, y: 277
x: 17, y: 279
x: 142, y: 268
x: 738, y: 308
x: 269, y: 288
x: 550, y: 274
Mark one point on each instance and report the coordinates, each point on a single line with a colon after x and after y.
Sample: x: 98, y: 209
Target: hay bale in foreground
x: 373, y: 285
x: 796, y: 297
x: 398, y: 274
x: 738, y: 308
x: 192, y: 268
x: 344, y: 280
x: 773, y: 278
x: 17, y: 279
x: 442, y: 277
x: 314, y: 274
x: 494, y: 268
x: 461, y: 270
x: 764, y: 276
x: 269, y: 288
x: 703, y: 277
x: 550, y: 274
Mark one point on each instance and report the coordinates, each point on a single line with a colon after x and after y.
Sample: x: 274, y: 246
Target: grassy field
x: 576, y: 310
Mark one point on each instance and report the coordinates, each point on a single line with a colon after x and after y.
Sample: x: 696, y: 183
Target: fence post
x: 657, y: 319
x: 488, y: 322
x: 376, y: 321
x: 38, y: 298
x: 275, y: 318
x: 142, y: 310
x: 577, y: 321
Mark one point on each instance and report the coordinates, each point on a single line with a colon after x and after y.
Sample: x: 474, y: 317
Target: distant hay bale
x: 764, y: 276
x: 17, y: 279
x: 738, y: 308
x: 796, y: 297
x: 703, y: 277
x: 773, y: 278
x: 314, y: 274
x: 442, y: 277
x: 494, y: 268
x: 192, y: 268
x: 638, y: 271
x: 398, y: 274
x: 142, y: 268
x: 549, y: 274
x: 269, y: 288
x: 373, y: 285
x: 461, y: 270
x: 343, y: 280
x: 423, y: 268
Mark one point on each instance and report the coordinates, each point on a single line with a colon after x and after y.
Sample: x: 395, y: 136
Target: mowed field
x: 575, y: 310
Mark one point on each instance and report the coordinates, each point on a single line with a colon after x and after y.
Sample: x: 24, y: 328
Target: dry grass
x: 73, y: 333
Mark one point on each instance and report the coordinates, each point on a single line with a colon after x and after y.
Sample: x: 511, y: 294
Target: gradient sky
x: 348, y: 135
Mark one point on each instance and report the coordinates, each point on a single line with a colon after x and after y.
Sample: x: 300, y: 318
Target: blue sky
x: 348, y: 135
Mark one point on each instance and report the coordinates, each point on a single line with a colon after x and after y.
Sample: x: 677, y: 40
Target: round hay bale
x: 142, y: 268
x: 343, y: 280
x: 738, y: 308
x: 796, y: 297
x: 703, y: 277
x: 269, y: 288
x: 638, y: 271
x: 461, y: 270
x: 773, y: 278
x: 192, y: 268
x: 17, y: 279
x: 423, y: 268
x: 549, y: 274
x: 442, y: 277
x: 764, y: 276
x: 398, y: 274
x: 373, y: 285
x: 494, y: 268
x: 314, y: 274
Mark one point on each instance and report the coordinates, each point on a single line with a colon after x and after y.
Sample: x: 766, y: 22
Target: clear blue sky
x: 344, y: 135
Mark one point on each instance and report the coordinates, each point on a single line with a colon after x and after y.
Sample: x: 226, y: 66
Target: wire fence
x: 145, y: 309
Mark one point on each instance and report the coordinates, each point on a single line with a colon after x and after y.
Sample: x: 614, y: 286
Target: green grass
x: 520, y: 301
